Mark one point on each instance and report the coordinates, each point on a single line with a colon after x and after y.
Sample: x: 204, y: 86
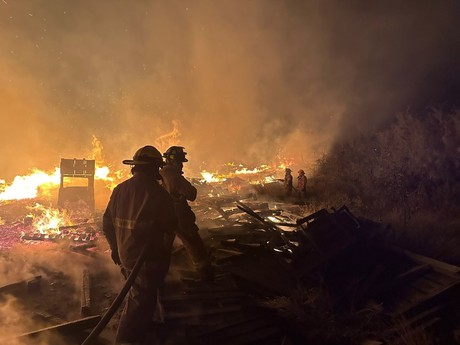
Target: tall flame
x: 27, y: 187
x: 41, y: 183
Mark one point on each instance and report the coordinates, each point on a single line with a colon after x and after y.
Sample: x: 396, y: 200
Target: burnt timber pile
x: 328, y: 278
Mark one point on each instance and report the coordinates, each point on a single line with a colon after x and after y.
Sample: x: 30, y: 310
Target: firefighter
x: 140, y: 211
x: 182, y: 190
x: 287, y: 182
x: 302, y: 184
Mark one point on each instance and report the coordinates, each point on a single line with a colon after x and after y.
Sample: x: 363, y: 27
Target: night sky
x: 247, y: 81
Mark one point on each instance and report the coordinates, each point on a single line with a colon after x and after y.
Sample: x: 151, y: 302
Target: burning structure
x: 76, y: 169
x: 295, y: 80
x: 274, y: 265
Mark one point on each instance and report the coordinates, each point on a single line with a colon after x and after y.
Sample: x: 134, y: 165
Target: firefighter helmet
x: 175, y: 153
x: 301, y: 172
x: 145, y: 155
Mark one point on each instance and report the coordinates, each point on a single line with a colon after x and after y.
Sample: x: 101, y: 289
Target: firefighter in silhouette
x: 302, y: 184
x: 287, y: 183
x: 140, y: 212
x: 182, y: 190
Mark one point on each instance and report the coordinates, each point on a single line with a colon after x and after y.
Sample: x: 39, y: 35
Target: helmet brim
x: 183, y: 159
x: 134, y: 162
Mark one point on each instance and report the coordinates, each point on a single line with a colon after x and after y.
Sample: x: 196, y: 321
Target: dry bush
x: 407, y: 174
x: 408, y: 168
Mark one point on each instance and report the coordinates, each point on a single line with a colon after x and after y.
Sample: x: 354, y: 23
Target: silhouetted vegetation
x: 407, y: 174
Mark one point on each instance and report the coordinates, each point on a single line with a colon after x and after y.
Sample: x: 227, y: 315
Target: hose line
x: 119, y: 299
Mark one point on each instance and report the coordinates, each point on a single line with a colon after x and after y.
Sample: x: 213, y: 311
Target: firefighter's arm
x: 109, y: 231
x: 186, y: 189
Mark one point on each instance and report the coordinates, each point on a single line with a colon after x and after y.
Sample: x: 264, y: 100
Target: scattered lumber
x: 85, y: 294
x: 22, y: 286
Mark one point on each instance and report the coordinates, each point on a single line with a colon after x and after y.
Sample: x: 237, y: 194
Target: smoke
x: 246, y: 81
x: 60, y: 288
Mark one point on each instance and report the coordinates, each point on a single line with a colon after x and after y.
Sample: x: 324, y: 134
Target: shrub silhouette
x: 412, y: 166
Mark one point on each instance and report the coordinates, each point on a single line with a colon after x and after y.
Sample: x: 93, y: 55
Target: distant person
x: 287, y: 183
x: 140, y: 212
x: 302, y: 185
x: 182, y: 190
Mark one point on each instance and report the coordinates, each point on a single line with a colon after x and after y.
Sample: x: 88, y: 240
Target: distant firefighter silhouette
x: 302, y: 184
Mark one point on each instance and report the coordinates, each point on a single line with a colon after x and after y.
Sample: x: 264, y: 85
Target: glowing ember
x: 48, y: 220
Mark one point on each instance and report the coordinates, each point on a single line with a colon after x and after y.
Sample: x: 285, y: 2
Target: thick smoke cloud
x: 246, y: 80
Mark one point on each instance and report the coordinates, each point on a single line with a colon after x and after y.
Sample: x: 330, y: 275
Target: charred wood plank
x: 243, y: 247
x: 22, y: 286
x: 267, y: 225
x: 263, y: 272
x: 435, y: 264
x: 213, y: 288
x: 68, y: 328
x: 256, y: 335
x: 426, y: 299
x: 85, y: 293
x: 238, y: 333
x: 204, y: 296
x: 171, y: 315
x: 52, y: 319
x: 401, y: 279
x: 221, y: 254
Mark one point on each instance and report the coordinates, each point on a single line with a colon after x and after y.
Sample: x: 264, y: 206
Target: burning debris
x: 273, y: 266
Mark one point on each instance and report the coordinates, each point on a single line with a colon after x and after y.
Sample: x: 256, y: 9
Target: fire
x: 27, y: 187
x: 211, y: 177
x: 270, y: 179
x: 102, y: 173
x: 42, y: 183
x: 260, y: 174
x: 48, y: 220
x: 256, y: 170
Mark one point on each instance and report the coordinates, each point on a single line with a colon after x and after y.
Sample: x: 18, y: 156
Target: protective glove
x: 115, y: 257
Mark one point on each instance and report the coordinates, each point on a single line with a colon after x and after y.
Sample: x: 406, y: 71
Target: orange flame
x: 42, y: 183
x: 211, y: 177
x: 27, y: 187
x: 48, y: 220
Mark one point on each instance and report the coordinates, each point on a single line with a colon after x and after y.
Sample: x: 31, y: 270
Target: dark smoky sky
x: 247, y: 81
